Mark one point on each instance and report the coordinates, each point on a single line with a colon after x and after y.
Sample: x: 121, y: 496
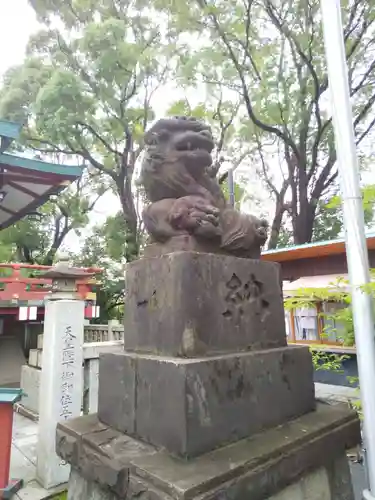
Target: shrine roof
x: 312, y: 250
x: 8, y: 132
x: 27, y: 183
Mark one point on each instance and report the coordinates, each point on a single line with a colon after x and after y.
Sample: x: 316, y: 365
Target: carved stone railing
x: 104, y: 333
x: 113, y: 331
x: 97, y: 338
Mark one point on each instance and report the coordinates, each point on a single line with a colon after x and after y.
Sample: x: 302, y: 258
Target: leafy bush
x: 336, y: 292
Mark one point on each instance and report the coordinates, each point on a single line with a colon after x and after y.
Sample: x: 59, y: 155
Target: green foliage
x: 238, y: 193
x: 305, y: 297
x: 36, y: 238
x: 61, y: 496
x: 270, y: 57
x: 284, y: 238
x: 336, y: 292
x: 326, y: 361
x: 103, y: 249
x: 90, y: 82
x: 328, y: 222
x: 85, y: 90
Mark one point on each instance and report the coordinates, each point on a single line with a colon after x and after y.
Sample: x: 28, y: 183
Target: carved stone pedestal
x: 207, y: 402
x: 193, y: 304
x: 302, y: 460
x: 191, y: 406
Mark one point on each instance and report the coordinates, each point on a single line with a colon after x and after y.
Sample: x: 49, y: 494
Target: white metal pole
x: 231, y: 187
x: 356, y: 249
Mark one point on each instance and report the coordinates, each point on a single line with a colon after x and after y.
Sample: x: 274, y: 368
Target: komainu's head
x: 175, y: 148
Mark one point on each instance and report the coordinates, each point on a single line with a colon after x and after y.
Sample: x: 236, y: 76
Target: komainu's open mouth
x: 194, y: 141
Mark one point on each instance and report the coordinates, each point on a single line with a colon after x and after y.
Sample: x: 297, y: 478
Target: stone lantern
x: 64, y: 279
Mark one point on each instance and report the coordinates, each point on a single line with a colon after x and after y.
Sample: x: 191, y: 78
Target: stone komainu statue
x: 185, y: 196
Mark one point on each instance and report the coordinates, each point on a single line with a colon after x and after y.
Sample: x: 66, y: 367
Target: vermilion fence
x: 20, y: 282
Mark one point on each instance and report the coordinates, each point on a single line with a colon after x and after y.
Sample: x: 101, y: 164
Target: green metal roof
x: 27, y: 183
x: 311, y: 245
x: 10, y: 396
x: 8, y: 132
x: 74, y: 171
x: 10, y: 129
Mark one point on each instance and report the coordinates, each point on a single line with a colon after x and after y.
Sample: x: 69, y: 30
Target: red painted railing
x: 19, y: 282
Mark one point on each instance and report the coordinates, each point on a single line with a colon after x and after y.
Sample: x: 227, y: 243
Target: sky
x: 18, y: 22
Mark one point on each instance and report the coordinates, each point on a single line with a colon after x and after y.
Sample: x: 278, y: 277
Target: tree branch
x: 259, y: 123
x: 84, y: 152
x: 365, y: 132
x: 97, y: 136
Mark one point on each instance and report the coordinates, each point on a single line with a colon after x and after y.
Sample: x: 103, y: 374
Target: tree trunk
x: 48, y: 259
x: 276, y: 226
x: 131, y: 243
x: 303, y: 224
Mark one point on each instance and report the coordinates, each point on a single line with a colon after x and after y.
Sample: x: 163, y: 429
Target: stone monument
x: 61, y: 380
x: 207, y: 401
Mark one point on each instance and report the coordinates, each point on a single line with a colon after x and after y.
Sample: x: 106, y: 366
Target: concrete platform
x: 23, y: 460
x: 336, y: 393
x: 25, y: 436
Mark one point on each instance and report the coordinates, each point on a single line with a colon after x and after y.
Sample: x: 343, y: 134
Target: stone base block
x: 40, y: 341
x: 301, y: 460
x: 191, y: 406
x: 33, y: 357
x: 327, y: 483
x: 30, y: 383
x: 193, y: 304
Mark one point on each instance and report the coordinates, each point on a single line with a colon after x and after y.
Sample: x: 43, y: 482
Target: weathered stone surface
x: 80, y: 488
x: 190, y: 406
x: 313, y: 486
x: 340, y: 479
x: 180, y: 181
x: 182, y: 243
x: 30, y: 383
x: 192, y: 304
x: 117, y: 389
x: 258, y: 467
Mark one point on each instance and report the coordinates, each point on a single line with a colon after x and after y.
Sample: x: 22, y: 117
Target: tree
x: 271, y: 54
x: 103, y: 249
x: 86, y: 87
x: 328, y: 223
x: 38, y: 237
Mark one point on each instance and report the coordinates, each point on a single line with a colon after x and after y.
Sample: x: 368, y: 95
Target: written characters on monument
x: 62, y: 373
x: 68, y: 361
x: 67, y: 373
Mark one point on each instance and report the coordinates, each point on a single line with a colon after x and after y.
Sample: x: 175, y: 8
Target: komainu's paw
x: 196, y: 216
